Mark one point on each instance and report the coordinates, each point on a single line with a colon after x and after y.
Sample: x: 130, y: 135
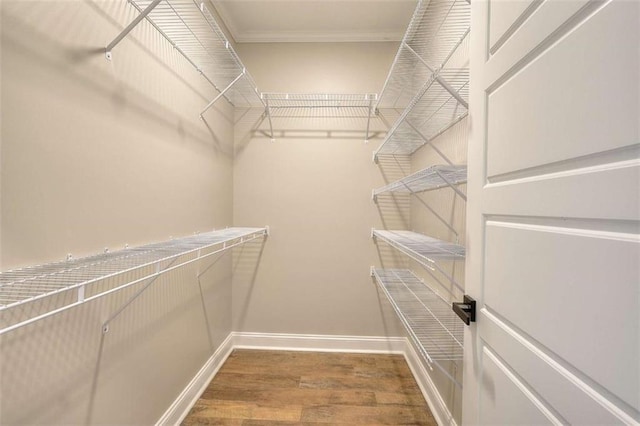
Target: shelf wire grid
x: 191, y: 28
x: 427, y: 317
x: 421, y: 246
x: 319, y: 100
x: 320, y: 105
x: 428, y: 179
x: 432, y: 111
x: 434, y: 33
x: 427, y: 251
x: 23, y: 286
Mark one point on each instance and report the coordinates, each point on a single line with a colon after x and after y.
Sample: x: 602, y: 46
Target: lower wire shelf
x: 433, y: 327
x: 62, y: 285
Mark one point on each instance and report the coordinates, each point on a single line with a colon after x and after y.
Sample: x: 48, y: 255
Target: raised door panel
x: 563, y: 193
x: 505, y: 400
x: 504, y: 18
x: 567, y: 392
x: 558, y: 107
x: 575, y: 292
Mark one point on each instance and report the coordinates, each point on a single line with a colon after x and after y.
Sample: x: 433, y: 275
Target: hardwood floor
x: 310, y: 388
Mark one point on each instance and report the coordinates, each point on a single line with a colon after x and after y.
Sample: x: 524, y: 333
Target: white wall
x: 98, y: 154
x: 312, y: 186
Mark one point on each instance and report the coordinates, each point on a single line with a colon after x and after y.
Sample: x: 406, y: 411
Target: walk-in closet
x: 279, y: 212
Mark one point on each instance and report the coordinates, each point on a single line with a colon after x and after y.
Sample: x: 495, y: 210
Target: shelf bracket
x: 428, y: 142
x: 222, y: 93
x: 129, y: 27
x: 428, y: 207
x: 454, y: 187
x: 439, y: 79
x: 268, y: 112
x: 366, y: 140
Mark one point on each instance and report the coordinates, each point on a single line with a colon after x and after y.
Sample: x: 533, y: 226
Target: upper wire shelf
x: 428, y: 318
x: 428, y: 179
x: 437, y: 28
x: 433, y: 110
x: 320, y: 100
x: 429, y: 78
x: 74, y: 280
x: 191, y: 28
x: 320, y: 105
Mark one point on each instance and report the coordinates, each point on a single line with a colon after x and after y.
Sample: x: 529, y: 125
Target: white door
x: 553, y: 246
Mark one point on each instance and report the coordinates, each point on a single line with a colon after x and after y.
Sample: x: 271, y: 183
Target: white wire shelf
x: 427, y: 251
x: 23, y: 286
x: 320, y: 105
x: 436, y: 30
x: 319, y: 100
x: 432, y: 325
x: 433, y: 110
x: 431, y: 178
x: 191, y: 28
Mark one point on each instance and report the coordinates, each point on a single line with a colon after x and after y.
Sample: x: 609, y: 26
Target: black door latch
x: 466, y: 310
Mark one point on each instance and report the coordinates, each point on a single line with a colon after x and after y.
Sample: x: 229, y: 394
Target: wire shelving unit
x: 432, y: 325
x: 427, y: 251
x: 436, y: 30
x: 432, y: 111
x: 320, y: 105
x: 434, y: 177
x: 193, y: 31
x: 423, y: 248
x: 73, y: 281
x: 428, y: 90
x: 364, y: 101
x: 424, y: 82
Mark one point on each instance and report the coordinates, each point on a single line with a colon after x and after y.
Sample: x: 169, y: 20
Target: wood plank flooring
x: 308, y: 388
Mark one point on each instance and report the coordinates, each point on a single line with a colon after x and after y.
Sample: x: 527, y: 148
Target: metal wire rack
x: 433, y: 110
x: 320, y: 105
x: 28, y: 285
x: 192, y: 30
x: 436, y: 30
x: 433, y: 177
x: 428, y: 318
x: 425, y: 82
x: 421, y: 246
x: 320, y: 100
x: 425, y: 250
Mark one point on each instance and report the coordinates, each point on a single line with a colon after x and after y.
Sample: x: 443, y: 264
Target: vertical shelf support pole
x: 366, y: 140
x: 130, y: 27
x: 221, y: 94
x: 268, y: 112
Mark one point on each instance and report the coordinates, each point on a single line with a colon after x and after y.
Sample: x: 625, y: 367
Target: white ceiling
x: 255, y: 21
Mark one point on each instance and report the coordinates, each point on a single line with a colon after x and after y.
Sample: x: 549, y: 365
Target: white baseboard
x: 320, y: 343
x: 188, y: 397
x: 308, y: 342
x: 436, y: 404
